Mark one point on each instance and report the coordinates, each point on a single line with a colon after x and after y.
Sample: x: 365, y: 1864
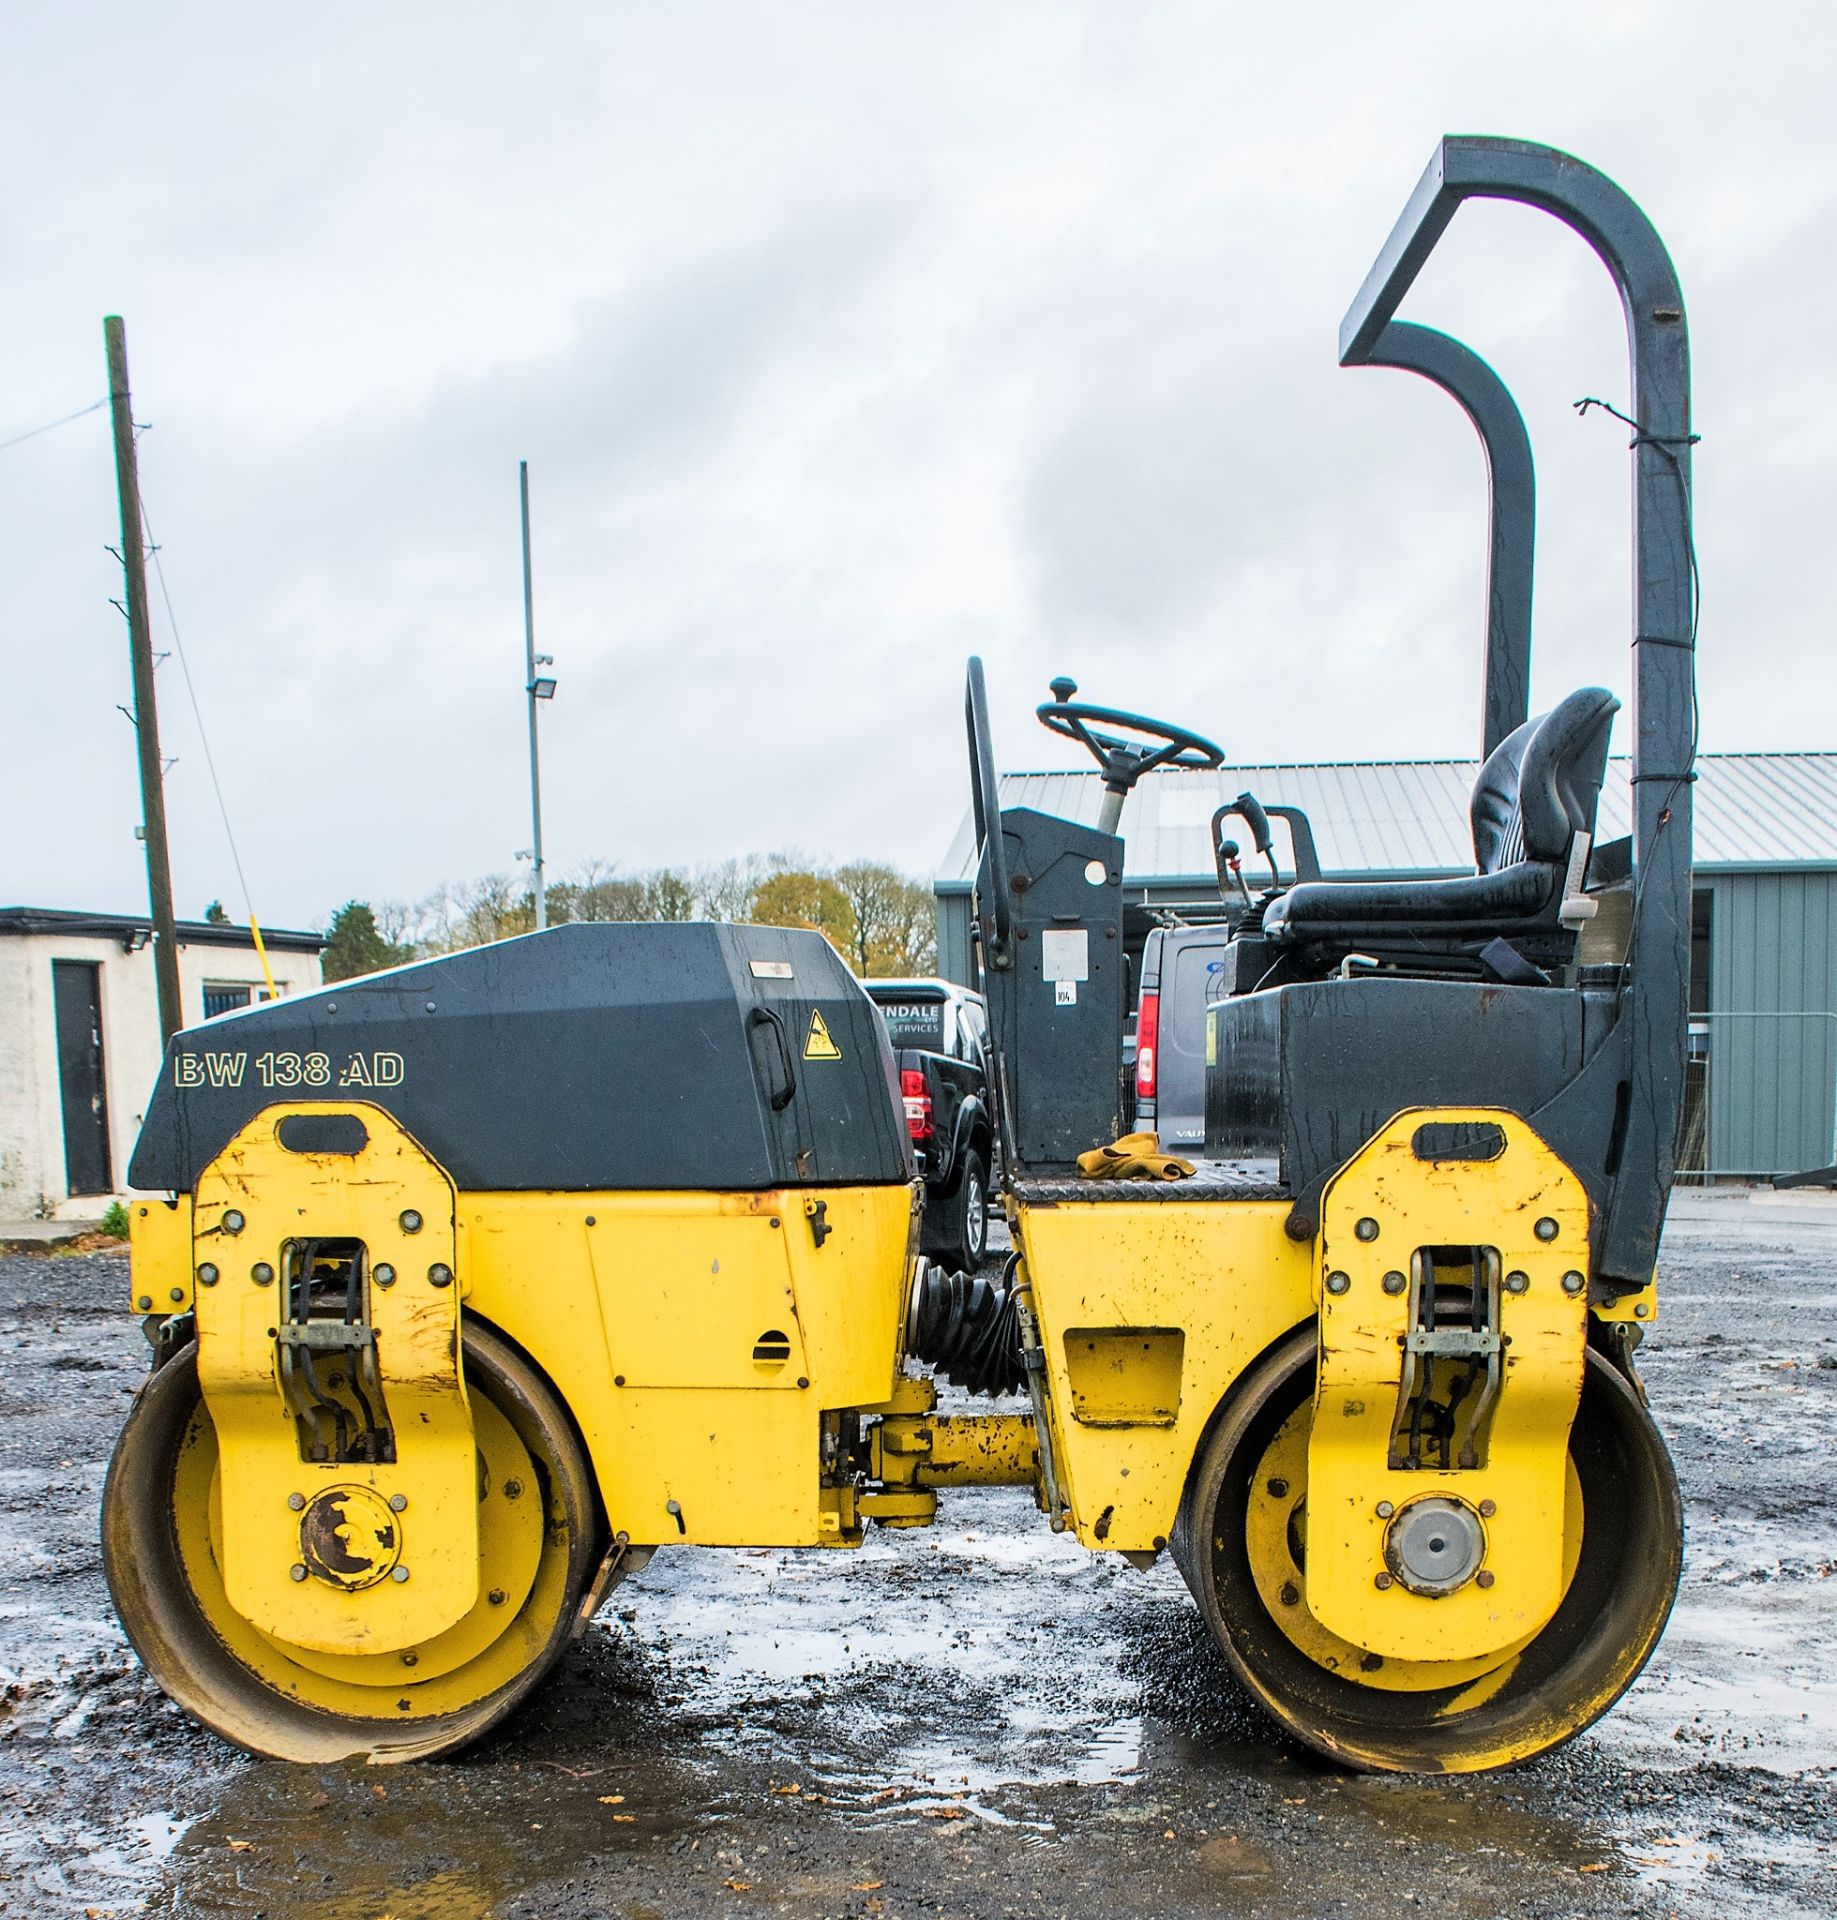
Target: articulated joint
x: 911, y: 1450
x: 954, y: 1450
x: 968, y: 1328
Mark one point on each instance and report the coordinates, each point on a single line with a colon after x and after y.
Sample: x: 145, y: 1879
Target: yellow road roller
x: 474, y: 1284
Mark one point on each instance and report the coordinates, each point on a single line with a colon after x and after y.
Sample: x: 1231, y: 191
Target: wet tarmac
x: 979, y: 1719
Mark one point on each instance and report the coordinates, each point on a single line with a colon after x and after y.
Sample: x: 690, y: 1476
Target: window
x: 972, y: 1033
x: 914, y: 1020
x: 225, y: 996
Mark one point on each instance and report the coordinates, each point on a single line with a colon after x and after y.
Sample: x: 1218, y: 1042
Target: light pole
x: 535, y: 688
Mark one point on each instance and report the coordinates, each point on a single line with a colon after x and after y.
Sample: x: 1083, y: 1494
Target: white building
x: 80, y: 1045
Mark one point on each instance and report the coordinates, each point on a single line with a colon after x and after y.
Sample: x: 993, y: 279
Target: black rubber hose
x: 968, y: 1328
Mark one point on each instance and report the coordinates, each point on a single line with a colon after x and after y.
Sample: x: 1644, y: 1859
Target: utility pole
x: 146, y: 709
x: 536, y: 689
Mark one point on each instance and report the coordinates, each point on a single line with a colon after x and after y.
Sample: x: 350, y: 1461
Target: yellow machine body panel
x: 1526, y: 1215
x: 342, y: 1556
x: 698, y: 1338
x: 1148, y: 1311
x: 159, y: 1255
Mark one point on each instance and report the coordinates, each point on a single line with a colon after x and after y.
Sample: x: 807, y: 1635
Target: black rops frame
x: 1654, y: 999
x: 1638, y: 1069
x: 1511, y: 538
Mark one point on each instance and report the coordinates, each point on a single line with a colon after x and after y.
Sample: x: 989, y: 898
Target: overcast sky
x: 842, y: 340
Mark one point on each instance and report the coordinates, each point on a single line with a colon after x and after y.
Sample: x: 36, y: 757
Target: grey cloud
x: 836, y: 353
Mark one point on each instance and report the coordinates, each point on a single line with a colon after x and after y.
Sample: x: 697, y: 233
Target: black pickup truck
x: 940, y: 1035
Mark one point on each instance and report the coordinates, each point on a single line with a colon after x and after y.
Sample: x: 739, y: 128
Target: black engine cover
x: 684, y: 1057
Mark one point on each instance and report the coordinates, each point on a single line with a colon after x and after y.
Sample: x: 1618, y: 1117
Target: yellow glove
x: 1136, y: 1156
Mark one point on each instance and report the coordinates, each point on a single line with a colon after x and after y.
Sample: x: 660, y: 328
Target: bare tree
x: 490, y: 908
x: 670, y: 896
x: 894, y: 920
x: 725, y: 892
x: 882, y: 922
x: 398, y: 923
x: 601, y: 892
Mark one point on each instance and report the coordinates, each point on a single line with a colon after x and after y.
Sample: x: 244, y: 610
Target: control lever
x: 1250, y: 808
x: 1228, y: 853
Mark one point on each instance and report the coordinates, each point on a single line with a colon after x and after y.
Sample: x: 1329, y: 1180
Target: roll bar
x: 996, y: 914
x: 1511, y: 537
x: 1656, y: 992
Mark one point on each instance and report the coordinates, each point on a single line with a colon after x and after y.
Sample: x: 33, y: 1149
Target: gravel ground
x: 979, y: 1719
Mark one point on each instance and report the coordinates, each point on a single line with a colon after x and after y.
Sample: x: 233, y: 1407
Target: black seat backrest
x: 1540, y: 784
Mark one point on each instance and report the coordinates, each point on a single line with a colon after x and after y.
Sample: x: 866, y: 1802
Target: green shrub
x: 115, y: 1221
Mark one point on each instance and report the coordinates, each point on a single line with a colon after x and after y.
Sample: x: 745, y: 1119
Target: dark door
x: 77, y: 991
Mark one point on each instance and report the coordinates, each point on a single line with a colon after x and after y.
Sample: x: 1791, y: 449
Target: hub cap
x: 349, y: 1538
x: 1435, y: 1545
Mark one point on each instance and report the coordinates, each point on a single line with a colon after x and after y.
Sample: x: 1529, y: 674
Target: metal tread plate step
x: 1211, y: 1180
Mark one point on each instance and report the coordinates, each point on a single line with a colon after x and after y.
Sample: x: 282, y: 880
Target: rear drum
x: 1241, y: 1543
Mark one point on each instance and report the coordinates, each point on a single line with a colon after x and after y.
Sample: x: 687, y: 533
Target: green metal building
x: 1764, y: 963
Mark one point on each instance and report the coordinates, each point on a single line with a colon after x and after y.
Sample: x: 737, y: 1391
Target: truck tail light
x: 1147, y: 1034
x: 917, y: 1102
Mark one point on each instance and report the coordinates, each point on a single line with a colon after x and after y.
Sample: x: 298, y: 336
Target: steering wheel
x: 1124, y: 761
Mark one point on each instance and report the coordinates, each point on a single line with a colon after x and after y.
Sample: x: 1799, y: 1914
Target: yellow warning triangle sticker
x: 819, y: 1046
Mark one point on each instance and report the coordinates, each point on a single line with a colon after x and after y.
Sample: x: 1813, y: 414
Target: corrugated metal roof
x: 1753, y: 810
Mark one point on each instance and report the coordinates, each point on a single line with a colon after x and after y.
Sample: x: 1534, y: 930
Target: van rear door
x: 1191, y: 960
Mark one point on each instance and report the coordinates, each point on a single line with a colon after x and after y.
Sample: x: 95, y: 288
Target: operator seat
x: 1533, y: 814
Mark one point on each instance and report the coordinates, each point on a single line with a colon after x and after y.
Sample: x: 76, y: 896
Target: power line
x: 19, y: 439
